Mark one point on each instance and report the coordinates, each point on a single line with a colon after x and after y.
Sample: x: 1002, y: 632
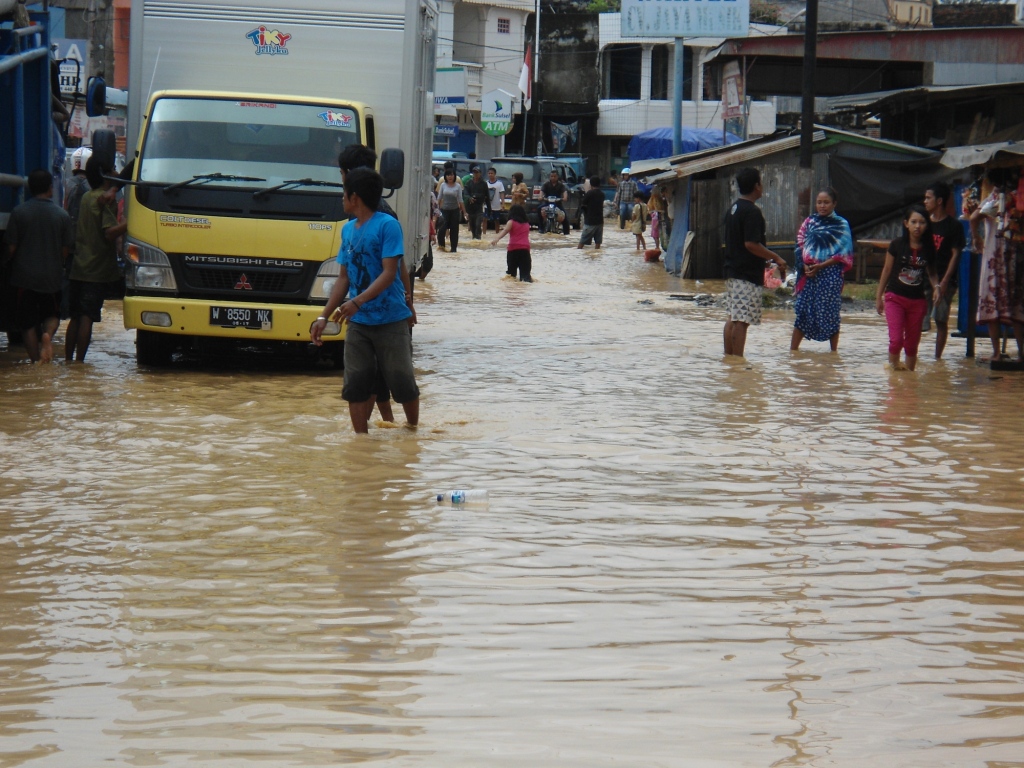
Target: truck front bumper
x: 191, y: 317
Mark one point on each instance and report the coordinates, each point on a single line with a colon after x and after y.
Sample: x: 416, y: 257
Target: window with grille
x: 504, y: 26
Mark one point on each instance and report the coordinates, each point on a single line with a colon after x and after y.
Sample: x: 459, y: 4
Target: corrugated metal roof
x: 664, y: 163
x: 697, y: 162
x: 981, y: 45
x: 688, y: 165
x: 870, y: 141
x: 855, y: 102
x: 979, y: 154
x: 879, y: 100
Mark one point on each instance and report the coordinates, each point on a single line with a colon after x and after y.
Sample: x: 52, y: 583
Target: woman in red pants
x: 909, y: 272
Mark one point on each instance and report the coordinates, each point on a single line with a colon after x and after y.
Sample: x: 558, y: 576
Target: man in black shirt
x: 593, y: 215
x: 745, y: 259
x: 949, y: 242
x: 554, y: 187
x: 477, y: 203
x: 38, y: 240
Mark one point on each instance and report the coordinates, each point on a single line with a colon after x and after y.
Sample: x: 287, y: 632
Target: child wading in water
x: 518, y: 230
x: 908, y: 274
x: 639, y: 221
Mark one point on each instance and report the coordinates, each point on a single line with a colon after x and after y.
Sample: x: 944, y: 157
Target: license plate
x: 242, y: 317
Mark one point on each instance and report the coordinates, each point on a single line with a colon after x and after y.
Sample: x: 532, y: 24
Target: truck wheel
x: 153, y: 349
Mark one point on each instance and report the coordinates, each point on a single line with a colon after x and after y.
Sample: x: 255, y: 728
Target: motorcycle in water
x: 549, y: 219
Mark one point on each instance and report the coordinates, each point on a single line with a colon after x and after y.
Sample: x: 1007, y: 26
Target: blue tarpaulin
x: 657, y: 142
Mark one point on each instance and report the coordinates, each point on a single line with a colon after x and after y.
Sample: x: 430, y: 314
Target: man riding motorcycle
x: 554, y: 187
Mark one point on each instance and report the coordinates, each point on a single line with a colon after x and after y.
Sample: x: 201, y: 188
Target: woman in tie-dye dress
x: 824, y: 253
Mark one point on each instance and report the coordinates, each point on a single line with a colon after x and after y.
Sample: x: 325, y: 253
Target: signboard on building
x: 496, y: 112
x: 449, y: 90
x: 73, y: 55
x: 732, y: 91
x: 83, y: 127
x: 446, y: 130
x: 685, y: 18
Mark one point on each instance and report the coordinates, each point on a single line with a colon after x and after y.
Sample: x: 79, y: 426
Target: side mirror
x: 392, y: 168
x: 104, y: 147
x: 96, y: 97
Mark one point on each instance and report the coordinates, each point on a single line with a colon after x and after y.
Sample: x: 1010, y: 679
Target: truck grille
x: 240, y: 278
x: 223, y: 280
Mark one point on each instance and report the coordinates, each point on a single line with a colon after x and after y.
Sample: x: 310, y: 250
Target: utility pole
x: 677, y: 98
x: 810, y: 63
x: 536, y: 72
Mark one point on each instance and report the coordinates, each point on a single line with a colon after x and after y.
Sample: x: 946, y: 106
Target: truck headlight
x: 326, y: 277
x: 149, y: 268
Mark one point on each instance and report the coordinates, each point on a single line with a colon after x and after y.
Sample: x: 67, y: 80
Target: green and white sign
x: 496, y: 112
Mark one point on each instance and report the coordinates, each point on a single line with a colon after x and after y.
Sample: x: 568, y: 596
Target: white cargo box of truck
x: 378, y: 52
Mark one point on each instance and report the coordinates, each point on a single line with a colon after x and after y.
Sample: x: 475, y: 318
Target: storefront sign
x: 732, y: 91
x: 685, y: 18
x: 73, y: 57
x: 449, y: 90
x: 496, y: 112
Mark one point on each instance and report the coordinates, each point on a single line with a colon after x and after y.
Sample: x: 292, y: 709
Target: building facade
x: 911, y: 13
x: 480, y: 48
x: 638, y: 81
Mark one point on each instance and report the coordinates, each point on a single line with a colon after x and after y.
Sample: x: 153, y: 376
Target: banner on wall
x: 563, y: 135
x: 732, y: 91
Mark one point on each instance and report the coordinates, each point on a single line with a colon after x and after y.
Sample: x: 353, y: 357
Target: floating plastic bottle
x: 464, y: 497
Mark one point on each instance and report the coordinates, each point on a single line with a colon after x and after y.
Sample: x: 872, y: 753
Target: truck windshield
x: 271, y: 142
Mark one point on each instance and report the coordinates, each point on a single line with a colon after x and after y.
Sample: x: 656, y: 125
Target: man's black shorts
x: 87, y: 298
x: 375, y: 352
x: 31, y: 308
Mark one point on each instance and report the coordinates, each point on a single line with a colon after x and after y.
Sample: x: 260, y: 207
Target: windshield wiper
x: 210, y: 177
x: 297, y: 183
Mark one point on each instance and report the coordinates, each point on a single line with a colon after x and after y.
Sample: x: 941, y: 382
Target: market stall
x: 990, y: 196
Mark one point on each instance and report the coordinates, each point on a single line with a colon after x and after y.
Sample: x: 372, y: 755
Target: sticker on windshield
x: 336, y: 119
x: 269, y: 41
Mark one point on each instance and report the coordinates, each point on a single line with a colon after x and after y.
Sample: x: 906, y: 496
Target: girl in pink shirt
x: 518, y: 230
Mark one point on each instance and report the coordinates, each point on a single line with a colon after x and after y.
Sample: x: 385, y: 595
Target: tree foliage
x: 765, y: 12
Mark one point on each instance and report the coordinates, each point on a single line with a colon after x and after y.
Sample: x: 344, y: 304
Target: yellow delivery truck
x: 238, y: 111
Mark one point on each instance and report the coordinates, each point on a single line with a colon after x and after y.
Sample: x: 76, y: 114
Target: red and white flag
x: 526, y: 82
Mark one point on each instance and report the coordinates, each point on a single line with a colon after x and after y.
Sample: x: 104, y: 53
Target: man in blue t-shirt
x: 371, y: 297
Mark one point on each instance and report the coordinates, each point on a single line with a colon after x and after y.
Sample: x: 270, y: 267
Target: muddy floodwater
x: 793, y: 560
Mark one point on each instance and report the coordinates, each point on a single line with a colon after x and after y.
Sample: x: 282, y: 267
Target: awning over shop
x: 872, y: 190
x: 980, y: 154
x: 668, y: 168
